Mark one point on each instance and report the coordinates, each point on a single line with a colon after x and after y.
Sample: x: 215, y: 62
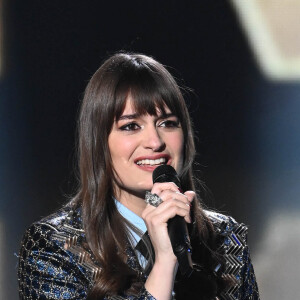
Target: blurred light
x: 277, y: 260
x: 272, y: 28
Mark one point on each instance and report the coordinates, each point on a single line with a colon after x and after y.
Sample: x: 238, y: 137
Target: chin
x: 138, y: 190
x: 145, y: 188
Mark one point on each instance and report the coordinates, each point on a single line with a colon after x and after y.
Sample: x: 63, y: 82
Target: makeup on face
x: 140, y: 143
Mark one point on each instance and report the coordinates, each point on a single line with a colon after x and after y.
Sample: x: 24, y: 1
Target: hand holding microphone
x: 167, y: 223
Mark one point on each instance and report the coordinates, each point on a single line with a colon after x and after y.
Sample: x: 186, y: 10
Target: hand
x: 156, y: 218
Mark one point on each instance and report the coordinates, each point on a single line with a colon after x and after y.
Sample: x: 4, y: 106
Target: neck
x: 133, y: 202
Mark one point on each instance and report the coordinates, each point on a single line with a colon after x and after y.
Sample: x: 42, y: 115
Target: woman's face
x: 140, y: 143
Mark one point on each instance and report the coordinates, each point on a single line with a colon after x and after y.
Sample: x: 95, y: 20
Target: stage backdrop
x: 247, y: 125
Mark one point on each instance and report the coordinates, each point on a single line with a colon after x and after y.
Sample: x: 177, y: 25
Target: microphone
x: 177, y: 228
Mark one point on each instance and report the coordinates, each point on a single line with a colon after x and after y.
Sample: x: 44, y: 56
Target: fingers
x: 159, y: 187
x: 190, y: 196
x: 163, y: 189
x: 156, y: 218
x: 173, y: 207
x: 186, y: 198
x: 169, y: 193
x: 174, y: 203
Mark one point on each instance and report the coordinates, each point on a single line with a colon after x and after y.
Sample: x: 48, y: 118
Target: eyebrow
x: 135, y: 116
x: 128, y: 117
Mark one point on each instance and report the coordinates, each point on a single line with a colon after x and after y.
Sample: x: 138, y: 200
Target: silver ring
x: 152, y: 199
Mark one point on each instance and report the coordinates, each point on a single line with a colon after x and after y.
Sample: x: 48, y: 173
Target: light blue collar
x: 134, y: 219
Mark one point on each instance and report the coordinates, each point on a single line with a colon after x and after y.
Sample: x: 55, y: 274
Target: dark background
x: 246, y: 126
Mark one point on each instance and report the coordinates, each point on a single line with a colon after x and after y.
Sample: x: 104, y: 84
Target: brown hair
x: 151, y: 86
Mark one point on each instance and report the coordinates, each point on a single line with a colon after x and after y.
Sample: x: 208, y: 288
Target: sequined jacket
x: 54, y: 262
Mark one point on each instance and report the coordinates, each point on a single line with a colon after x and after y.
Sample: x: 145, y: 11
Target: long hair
x: 151, y: 86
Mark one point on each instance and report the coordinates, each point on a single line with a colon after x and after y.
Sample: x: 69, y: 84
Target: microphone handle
x: 180, y: 241
x: 178, y: 232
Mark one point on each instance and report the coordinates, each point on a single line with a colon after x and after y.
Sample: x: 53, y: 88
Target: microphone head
x: 163, y: 169
x: 165, y: 173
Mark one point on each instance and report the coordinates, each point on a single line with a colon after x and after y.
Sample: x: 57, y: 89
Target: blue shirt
x: 139, y: 223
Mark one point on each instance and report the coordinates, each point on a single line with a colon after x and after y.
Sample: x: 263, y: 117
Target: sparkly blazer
x: 54, y: 262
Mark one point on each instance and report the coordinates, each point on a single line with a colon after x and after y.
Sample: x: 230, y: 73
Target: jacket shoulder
x: 235, y: 234
x: 65, y: 215
x: 235, y: 251
x: 220, y: 220
x: 54, y: 270
x: 219, y: 217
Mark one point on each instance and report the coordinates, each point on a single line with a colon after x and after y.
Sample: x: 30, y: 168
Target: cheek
x: 177, y: 144
x: 121, y: 149
x: 126, y: 149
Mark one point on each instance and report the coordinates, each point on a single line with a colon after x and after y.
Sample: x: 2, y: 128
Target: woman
x: 108, y: 242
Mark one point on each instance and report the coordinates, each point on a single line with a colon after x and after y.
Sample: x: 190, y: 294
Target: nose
x: 153, y: 139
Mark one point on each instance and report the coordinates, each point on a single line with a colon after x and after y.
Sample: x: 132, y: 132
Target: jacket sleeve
x: 48, y: 271
x: 237, y: 260
x: 249, y: 289
x: 246, y: 277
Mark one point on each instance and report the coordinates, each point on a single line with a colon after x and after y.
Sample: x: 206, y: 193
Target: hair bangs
x: 149, y: 94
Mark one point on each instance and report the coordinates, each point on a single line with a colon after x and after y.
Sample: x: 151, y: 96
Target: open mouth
x: 152, y: 162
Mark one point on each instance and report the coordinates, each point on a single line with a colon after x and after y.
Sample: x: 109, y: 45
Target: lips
x: 152, y: 162
x: 156, y: 160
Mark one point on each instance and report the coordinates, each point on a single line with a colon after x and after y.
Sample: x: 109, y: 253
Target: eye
x: 169, y: 124
x: 130, y: 127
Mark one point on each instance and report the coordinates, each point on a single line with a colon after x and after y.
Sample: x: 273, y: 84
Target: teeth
x: 151, y: 162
